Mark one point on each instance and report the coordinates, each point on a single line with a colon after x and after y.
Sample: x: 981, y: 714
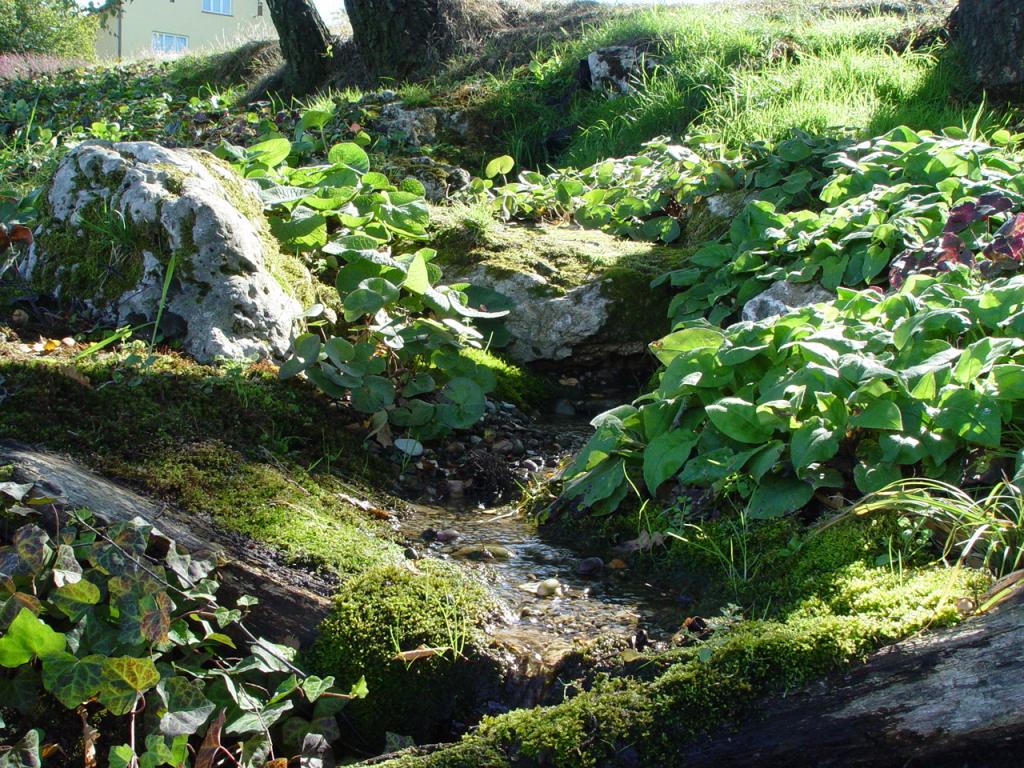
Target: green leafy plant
x: 845, y: 397
x: 399, y: 358
x: 120, y: 620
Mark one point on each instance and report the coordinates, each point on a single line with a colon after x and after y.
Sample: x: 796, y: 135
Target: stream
x: 594, y: 596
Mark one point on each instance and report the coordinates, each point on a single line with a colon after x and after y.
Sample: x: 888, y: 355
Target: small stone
x: 590, y: 566
x: 531, y: 465
x: 504, y: 447
x: 549, y: 588
x: 429, y: 534
x: 19, y: 317
x: 617, y: 564
x: 564, y: 408
x: 456, y: 487
x: 411, y: 554
x: 483, y: 552
x: 67, y: 341
x: 447, y: 535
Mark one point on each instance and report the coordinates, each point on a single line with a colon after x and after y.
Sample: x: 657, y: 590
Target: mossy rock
x: 578, y: 293
x: 400, y: 608
x: 138, y: 231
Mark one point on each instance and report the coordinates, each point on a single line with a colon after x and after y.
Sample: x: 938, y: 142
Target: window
x: 223, y: 7
x: 167, y: 43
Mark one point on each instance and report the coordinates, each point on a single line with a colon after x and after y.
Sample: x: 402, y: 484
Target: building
x: 168, y: 27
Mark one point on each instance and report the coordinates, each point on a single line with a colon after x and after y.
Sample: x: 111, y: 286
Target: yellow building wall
x: 141, y: 18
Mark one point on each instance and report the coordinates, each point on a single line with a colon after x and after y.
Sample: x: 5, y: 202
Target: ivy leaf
x: 66, y: 568
x: 27, y: 637
x: 73, y: 681
x: 33, y: 547
x: 187, y: 708
x: 25, y: 753
x: 123, y: 680
x: 73, y: 600
x: 255, y: 722
x: 314, y: 687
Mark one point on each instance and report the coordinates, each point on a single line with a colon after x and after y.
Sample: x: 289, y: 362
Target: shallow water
x: 613, y: 601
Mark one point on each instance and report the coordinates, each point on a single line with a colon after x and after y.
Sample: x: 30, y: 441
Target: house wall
x: 141, y: 18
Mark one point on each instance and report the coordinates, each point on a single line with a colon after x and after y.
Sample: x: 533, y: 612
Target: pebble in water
x: 549, y: 588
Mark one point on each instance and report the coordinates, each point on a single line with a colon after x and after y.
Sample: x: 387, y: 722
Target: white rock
x: 223, y: 300
x: 545, y: 326
x: 782, y: 297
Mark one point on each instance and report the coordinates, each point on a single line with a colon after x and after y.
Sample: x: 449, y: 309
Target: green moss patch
x: 229, y: 443
x: 566, y: 256
x: 515, y: 384
x: 399, y: 608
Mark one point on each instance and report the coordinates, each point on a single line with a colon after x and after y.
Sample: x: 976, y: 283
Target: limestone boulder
x: 614, y: 70
x: 781, y: 297
x: 125, y: 219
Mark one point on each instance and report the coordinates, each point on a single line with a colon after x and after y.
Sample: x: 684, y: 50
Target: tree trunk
x: 991, y: 33
x: 949, y: 698
x: 306, y: 44
x: 399, y: 39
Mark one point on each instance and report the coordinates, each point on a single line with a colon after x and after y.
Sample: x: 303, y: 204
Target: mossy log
x: 290, y: 609
x: 949, y: 698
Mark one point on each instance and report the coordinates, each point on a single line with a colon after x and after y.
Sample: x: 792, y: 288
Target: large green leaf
x: 123, y: 680
x: 350, y: 155
x: 73, y: 681
x: 186, y: 707
x: 466, y: 403
x: 971, y: 415
x: 737, y: 418
x: 375, y: 394
x: 664, y: 456
x: 813, y: 443
x: 777, y: 496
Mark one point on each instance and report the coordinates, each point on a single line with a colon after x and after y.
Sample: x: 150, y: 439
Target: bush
x: 54, y: 27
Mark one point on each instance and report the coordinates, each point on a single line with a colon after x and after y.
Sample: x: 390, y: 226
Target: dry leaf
x: 75, y: 375
x: 211, y: 743
x: 89, y: 737
x: 423, y: 652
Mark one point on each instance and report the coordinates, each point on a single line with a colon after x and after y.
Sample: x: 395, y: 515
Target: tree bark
x: 991, y: 34
x: 399, y: 39
x: 306, y: 44
x: 948, y: 698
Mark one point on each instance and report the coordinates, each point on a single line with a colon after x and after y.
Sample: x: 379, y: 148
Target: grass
x: 739, y: 74
x: 987, y: 531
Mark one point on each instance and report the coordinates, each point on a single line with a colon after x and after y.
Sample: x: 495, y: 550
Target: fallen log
x: 292, y: 601
x: 954, y: 697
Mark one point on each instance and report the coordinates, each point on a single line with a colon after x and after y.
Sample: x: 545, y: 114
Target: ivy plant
x: 119, y: 621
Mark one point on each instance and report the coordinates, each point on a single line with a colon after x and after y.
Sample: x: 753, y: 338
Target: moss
x: 565, y: 256
x: 515, y: 384
x: 229, y: 443
x: 396, y: 608
x: 838, y: 607
x: 99, y: 259
x: 279, y: 505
